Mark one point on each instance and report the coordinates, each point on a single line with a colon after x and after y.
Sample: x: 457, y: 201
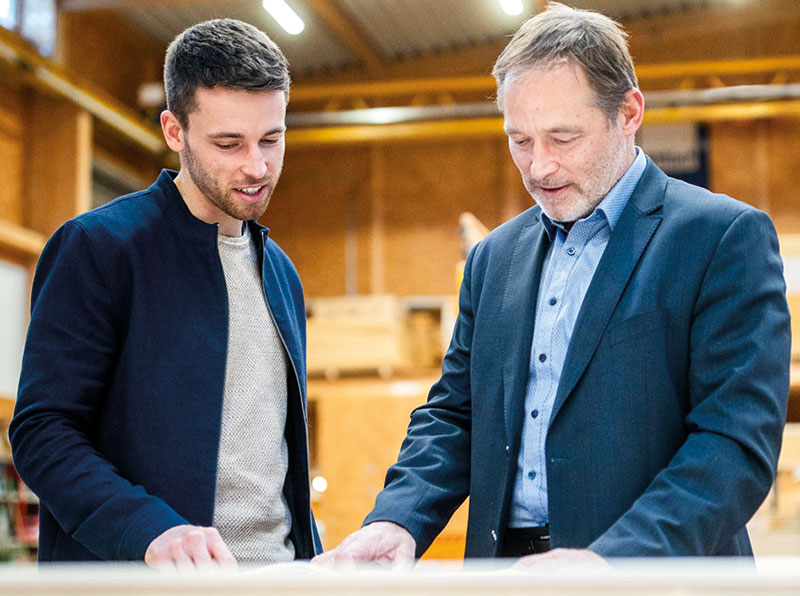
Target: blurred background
x: 396, y: 165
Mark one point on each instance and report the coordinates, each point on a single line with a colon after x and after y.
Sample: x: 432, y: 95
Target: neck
x: 203, y: 209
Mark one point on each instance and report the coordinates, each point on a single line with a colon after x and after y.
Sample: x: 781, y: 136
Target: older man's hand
x: 380, y: 542
x: 561, y: 559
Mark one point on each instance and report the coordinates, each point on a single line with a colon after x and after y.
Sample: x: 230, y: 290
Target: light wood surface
x: 773, y: 577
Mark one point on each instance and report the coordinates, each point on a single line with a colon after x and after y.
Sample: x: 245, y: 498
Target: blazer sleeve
x: 68, y: 363
x: 738, y: 394
x: 431, y: 477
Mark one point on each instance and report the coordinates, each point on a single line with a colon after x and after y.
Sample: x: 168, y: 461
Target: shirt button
x: 542, y: 357
x: 534, y: 413
x: 571, y: 251
x: 553, y: 301
x: 531, y: 474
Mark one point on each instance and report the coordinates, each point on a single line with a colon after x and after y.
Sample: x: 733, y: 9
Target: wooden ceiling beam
x: 349, y: 33
x: 95, y: 5
x: 41, y: 73
x: 476, y: 127
x: 486, y: 83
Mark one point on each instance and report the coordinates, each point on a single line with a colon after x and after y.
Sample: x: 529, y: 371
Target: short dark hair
x: 221, y: 52
x: 563, y: 35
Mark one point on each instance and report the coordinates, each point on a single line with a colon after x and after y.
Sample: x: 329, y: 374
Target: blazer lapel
x: 631, y: 235
x: 517, y: 312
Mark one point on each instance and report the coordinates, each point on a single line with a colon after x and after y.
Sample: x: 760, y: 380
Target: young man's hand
x: 186, y: 547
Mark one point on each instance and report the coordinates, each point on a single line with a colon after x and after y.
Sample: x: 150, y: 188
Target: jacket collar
x: 637, y: 224
x: 171, y: 202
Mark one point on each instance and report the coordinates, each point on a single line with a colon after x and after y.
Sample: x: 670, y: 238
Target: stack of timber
x: 372, y: 334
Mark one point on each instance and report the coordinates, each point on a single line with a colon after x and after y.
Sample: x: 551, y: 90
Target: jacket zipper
x: 297, y: 379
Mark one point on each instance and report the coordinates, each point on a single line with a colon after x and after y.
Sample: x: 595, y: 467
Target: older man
x: 618, y: 375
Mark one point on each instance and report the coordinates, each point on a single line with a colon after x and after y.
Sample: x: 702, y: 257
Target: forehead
x: 549, y: 93
x: 237, y: 110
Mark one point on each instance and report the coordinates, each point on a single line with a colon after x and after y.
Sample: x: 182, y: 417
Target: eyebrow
x: 554, y: 130
x: 237, y: 135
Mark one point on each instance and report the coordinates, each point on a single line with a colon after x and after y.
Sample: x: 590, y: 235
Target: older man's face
x: 568, y: 153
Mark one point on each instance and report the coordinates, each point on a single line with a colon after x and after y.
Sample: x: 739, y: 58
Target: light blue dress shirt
x: 569, y: 267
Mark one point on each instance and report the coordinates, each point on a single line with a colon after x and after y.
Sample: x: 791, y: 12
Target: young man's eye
x: 225, y: 145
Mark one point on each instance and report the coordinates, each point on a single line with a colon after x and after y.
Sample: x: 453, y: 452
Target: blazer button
x: 494, y: 535
x: 508, y: 448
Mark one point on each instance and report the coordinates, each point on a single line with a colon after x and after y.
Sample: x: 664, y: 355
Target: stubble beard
x: 583, y: 198
x: 223, y: 199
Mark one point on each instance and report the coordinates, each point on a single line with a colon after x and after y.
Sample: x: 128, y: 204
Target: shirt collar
x: 614, y: 202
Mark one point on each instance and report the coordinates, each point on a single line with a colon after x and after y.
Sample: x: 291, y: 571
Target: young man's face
x: 568, y: 153
x: 231, y: 153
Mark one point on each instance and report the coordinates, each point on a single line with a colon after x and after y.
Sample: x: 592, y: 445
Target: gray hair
x: 563, y: 35
x: 222, y: 52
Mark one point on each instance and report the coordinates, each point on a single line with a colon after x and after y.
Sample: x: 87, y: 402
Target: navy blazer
x: 119, y: 408
x: 668, y: 419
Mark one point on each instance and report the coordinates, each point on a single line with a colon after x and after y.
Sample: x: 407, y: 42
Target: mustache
x: 267, y: 180
x: 544, y: 183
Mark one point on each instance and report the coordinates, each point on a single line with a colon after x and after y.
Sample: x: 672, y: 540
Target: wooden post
x: 58, y: 162
x: 378, y: 247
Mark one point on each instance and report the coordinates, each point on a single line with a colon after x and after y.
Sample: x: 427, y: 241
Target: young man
x: 618, y: 377
x: 161, y: 408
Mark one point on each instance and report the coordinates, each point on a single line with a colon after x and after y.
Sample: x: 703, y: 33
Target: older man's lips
x: 552, y: 191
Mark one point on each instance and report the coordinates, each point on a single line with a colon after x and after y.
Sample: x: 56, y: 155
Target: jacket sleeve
x: 68, y: 363
x: 739, y: 357
x: 431, y: 477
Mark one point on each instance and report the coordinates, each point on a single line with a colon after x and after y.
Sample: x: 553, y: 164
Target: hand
x: 560, y: 560
x: 189, y: 547
x: 381, y: 542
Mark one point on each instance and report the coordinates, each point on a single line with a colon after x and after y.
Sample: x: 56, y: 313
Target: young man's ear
x: 632, y: 112
x: 173, y: 131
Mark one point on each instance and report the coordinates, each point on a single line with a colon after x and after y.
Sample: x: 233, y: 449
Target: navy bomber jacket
x: 117, y: 420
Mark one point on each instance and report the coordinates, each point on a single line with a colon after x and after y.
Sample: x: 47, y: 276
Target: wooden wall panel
x: 321, y: 199
x: 357, y: 426
x: 732, y: 162
x: 717, y: 32
x: 100, y: 46
x: 757, y: 162
x: 11, y: 155
x: 427, y: 186
x: 384, y: 218
x: 784, y: 175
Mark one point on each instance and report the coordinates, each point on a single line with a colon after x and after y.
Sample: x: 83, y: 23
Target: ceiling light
x: 284, y: 15
x: 511, y: 7
x: 6, y: 13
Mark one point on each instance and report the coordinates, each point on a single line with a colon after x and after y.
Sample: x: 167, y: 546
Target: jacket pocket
x: 637, y: 325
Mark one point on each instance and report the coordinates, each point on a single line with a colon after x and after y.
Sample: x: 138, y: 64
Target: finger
x: 530, y: 562
x: 219, y: 551
x: 162, y: 558
x: 161, y: 561
x: 404, y: 554
x: 198, y: 551
x: 325, y: 559
x: 179, y: 556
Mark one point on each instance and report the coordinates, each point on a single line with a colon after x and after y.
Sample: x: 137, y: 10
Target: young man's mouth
x: 251, y: 194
